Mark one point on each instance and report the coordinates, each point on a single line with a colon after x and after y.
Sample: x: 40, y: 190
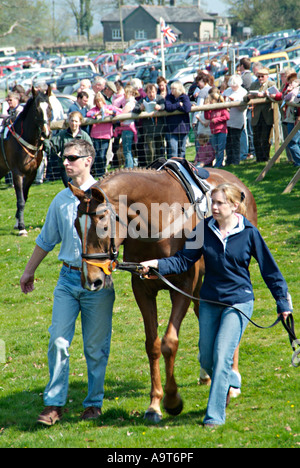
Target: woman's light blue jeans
x: 127, y: 140
x: 96, y: 319
x: 221, y: 330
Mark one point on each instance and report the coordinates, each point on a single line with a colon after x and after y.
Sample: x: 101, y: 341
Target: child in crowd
x: 101, y: 133
x: 218, y: 125
x: 205, y: 153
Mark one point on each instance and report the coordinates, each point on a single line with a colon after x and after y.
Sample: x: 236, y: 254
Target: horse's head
x: 96, y: 227
x: 43, y: 111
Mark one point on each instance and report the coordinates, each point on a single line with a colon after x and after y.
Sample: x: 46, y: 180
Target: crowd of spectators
x: 222, y: 136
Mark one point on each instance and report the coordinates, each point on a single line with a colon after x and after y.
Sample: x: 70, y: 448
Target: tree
x: 23, y: 22
x: 83, y: 16
x: 265, y: 16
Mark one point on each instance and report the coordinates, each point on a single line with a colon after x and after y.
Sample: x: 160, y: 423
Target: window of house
x: 116, y: 34
x: 140, y: 34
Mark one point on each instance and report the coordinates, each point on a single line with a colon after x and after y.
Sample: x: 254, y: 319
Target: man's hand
x: 27, y: 283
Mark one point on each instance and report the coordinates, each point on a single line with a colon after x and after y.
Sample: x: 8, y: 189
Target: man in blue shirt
x: 70, y: 297
x: 80, y: 104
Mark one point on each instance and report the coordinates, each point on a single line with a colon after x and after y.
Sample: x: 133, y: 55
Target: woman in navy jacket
x: 178, y: 125
x: 227, y: 241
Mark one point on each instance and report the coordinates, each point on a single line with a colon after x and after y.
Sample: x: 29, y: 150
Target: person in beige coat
x: 262, y: 115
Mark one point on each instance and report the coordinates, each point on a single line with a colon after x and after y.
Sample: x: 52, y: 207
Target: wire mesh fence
x: 210, y: 132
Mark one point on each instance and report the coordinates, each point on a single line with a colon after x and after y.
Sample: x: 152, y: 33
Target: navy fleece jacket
x: 227, y: 277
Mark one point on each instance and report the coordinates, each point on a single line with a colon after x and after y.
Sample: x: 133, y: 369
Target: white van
x: 6, y: 51
x: 79, y: 65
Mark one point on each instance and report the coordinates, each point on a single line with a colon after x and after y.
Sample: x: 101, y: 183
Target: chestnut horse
x: 21, y: 152
x: 120, y: 211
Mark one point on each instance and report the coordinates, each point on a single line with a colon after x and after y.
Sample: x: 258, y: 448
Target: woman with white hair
x: 237, y: 121
x: 178, y: 125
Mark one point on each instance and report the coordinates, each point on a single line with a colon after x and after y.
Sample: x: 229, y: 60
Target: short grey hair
x: 235, y: 80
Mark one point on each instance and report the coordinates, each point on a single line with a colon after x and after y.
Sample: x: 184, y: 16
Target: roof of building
x: 169, y: 14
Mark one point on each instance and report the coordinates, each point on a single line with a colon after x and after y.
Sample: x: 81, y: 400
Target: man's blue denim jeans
x: 96, y: 319
x: 221, y: 330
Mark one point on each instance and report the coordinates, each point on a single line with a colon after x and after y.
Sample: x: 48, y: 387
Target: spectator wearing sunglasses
x: 70, y: 297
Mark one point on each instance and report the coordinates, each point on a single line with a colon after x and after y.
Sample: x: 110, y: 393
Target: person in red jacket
x: 218, y: 125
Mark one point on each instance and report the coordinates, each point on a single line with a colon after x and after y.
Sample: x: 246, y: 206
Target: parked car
x: 42, y: 76
x: 278, y: 44
x: 143, y: 60
x: 86, y: 65
x: 72, y: 77
x: 294, y: 52
x: 17, y: 77
x: 66, y: 101
x: 5, y: 70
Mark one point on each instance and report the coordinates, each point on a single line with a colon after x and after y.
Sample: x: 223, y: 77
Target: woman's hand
x: 285, y: 314
x: 149, y: 264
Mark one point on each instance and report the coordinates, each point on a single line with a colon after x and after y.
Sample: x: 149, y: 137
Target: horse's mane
x: 40, y: 97
x: 135, y: 170
x: 25, y: 110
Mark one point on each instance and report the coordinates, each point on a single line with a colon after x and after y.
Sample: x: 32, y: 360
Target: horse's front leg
x: 173, y: 403
x: 146, y: 300
x: 18, y: 185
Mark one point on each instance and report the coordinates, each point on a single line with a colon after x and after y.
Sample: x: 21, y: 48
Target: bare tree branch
x: 13, y: 26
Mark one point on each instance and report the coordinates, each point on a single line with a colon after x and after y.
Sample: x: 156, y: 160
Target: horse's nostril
x: 98, y: 283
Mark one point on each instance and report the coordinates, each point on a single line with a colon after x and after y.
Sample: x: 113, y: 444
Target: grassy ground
x: 265, y: 415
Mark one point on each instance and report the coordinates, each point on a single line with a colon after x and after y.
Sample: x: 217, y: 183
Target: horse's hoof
x: 175, y: 411
x: 22, y: 233
x: 153, y: 417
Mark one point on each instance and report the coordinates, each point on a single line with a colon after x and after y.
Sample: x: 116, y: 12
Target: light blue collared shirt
x: 59, y: 226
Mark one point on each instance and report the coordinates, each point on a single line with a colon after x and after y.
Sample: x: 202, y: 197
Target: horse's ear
x: 33, y: 92
x: 80, y: 194
x: 49, y: 91
x: 97, y: 195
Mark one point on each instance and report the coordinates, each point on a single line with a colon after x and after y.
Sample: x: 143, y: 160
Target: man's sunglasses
x: 72, y: 158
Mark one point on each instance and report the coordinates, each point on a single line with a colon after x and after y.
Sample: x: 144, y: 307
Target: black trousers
x: 233, y: 145
x: 261, y: 139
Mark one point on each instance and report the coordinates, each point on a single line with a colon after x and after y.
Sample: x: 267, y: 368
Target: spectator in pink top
x: 218, y: 125
x: 101, y: 133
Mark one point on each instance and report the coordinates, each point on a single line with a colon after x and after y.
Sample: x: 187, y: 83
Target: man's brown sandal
x: 92, y: 412
x: 50, y: 415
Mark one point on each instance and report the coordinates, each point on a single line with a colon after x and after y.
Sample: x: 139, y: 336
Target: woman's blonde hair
x: 179, y: 86
x: 130, y: 90
x: 233, y: 195
x: 99, y: 97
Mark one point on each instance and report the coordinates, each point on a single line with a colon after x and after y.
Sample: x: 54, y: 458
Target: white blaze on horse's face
x: 46, y: 127
x: 94, y: 278
x: 85, y: 223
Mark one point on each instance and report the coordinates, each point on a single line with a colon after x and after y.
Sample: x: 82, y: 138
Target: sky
x: 217, y: 6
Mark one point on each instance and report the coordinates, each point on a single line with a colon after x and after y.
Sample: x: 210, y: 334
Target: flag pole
x: 163, y: 67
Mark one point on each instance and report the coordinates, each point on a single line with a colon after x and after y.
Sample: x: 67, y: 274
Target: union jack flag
x: 167, y: 32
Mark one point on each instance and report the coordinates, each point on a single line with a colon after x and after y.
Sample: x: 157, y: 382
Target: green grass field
x: 265, y: 415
